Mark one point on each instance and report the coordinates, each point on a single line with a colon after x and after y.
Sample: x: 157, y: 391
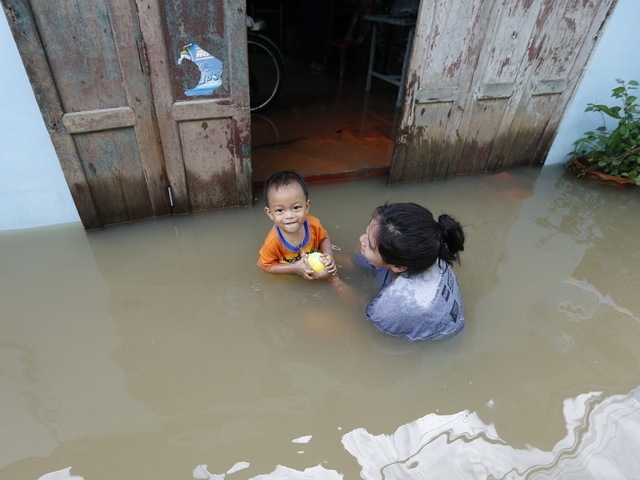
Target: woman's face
x: 369, y: 245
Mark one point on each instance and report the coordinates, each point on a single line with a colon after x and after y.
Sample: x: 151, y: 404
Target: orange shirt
x: 274, y: 252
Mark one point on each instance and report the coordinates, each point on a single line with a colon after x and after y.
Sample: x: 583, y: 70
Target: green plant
x: 615, y: 152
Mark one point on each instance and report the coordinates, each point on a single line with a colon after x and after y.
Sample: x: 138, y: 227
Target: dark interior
x: 321, y: 125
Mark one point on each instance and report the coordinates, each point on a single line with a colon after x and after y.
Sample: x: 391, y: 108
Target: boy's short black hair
x: 282, y: 179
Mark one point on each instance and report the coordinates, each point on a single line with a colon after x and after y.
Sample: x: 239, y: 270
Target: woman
x: 411, y: 254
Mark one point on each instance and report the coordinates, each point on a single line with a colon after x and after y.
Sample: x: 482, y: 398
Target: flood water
x: 149, y: 350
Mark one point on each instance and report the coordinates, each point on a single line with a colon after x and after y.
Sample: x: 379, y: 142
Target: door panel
x: 202, y: 23
x: 209, y: 163
x: 114, y: 174
x: 489, y: 83
x: 83, y: 60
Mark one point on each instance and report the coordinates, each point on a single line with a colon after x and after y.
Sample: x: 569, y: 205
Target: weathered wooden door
x: 489, y: 81
x: 197, y: 57
x: 84, y: 63
x: 135, y: 133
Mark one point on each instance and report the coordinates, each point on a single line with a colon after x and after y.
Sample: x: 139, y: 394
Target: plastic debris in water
x: 304, y: 439
x: 210, y: 69
x: 63, y: 474
x: 201, y: 473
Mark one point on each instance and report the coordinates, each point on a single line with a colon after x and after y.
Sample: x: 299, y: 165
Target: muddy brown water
x: 149, y: 350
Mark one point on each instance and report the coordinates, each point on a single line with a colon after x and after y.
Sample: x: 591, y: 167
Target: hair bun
x: 453, y: 238
x: 442, y: 221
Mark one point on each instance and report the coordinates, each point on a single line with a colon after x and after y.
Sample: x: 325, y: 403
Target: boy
x: 295, y: 233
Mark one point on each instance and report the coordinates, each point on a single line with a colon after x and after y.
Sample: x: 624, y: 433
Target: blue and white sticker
x: 210, y: 69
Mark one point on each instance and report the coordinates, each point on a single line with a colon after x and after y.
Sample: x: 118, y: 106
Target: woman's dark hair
x: 409, y: 236
x: 282, y: 179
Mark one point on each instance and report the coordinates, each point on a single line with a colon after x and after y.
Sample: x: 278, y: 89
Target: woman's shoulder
x: 425, y: 280
x: 427, y: 305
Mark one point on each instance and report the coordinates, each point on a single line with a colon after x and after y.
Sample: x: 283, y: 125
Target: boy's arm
x: 298, y: 268
x: 269, y: 261
x: 325, y: 247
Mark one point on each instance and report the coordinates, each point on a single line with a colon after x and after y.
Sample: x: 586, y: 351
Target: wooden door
x: 115, y: 81
x: 85, y: 64
x: 489, y: 81
x: 205, y: 132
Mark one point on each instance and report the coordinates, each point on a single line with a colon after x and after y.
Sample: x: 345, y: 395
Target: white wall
x: 616, y: 57
x: 33, y: 191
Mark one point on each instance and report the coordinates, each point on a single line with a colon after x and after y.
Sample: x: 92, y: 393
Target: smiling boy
x: 295, y: 233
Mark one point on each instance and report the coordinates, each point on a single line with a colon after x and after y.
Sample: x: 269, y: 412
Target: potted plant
x: 612, y: 157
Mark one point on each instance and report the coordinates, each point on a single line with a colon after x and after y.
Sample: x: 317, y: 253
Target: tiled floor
x: 324, y: 127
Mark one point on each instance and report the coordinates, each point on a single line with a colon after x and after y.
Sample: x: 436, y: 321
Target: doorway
x: 322, y: 125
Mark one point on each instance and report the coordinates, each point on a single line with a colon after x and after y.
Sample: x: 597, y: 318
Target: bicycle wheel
x: 265, y: 72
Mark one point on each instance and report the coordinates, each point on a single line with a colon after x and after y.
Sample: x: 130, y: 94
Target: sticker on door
x: 210, y: 69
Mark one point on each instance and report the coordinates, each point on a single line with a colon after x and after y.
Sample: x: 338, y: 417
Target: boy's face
x: 288, y: 207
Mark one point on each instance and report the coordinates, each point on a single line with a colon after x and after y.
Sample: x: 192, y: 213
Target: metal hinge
x: 144, y: 59
x: 170, y: 196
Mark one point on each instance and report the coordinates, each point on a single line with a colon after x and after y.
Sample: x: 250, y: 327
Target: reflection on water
x: 160, y: 350
x: 602, y: 435
x: 64, y: 474
x: 555, y: 315
x: 601, y: 442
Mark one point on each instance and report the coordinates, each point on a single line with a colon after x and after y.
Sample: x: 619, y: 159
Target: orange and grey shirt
x: 276, y: 249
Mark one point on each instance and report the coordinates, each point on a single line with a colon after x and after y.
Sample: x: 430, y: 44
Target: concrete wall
x: 615, y: 57
x: 33, y: 191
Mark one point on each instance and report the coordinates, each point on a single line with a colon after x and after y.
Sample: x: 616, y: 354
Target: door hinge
x: 144, y: 59
x: 170, y: 196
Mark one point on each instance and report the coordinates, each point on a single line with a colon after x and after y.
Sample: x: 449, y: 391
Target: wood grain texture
x: 80, y: 48
x: 115, y: 175
x: 201, y: 109
x: 208, y: 150
x: 160, y: 78
x: 489, y: 81
x: 220, y: 29
x: 95, y: 120
x: 137, y: 88
x: 22, y: 25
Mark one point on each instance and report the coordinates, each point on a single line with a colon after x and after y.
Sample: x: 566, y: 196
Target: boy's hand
x: 302, y: 267
x: 330, y: 271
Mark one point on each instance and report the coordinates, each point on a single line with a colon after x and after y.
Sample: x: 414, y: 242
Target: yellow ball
x: 314, y: 261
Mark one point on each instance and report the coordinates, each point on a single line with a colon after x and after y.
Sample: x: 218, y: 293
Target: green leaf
x: 609, y: 111
x: 624, y: 130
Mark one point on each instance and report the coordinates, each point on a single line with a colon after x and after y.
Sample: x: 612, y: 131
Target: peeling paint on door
x: 489, y: 81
